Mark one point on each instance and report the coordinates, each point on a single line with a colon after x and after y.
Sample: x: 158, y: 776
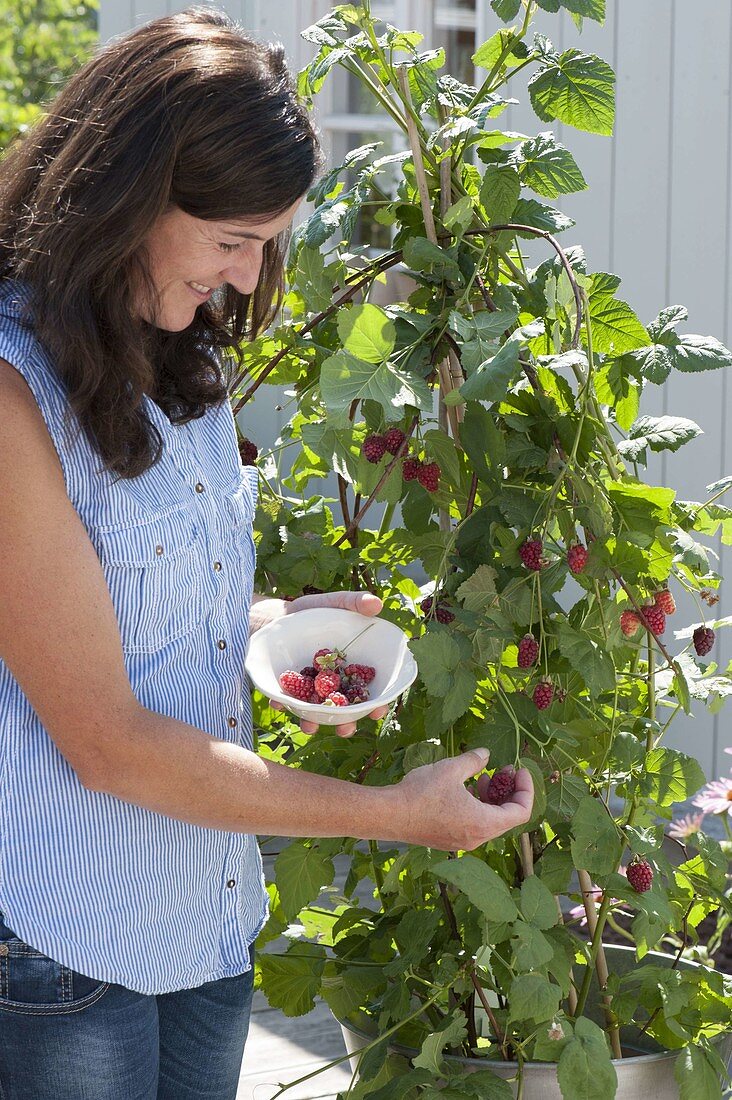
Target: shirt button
x: 233, y: 722
x: 231, y: 883
x: 159, y: 550
x: 217, y: 566
x: 4, y: 949
x: 221, y: 643
x: 199, y: 487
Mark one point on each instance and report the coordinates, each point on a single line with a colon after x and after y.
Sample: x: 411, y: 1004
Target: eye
x: 228, y: 247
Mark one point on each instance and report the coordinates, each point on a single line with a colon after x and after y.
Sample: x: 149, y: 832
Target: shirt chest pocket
x: 154, y: 571
x: 238, y: 516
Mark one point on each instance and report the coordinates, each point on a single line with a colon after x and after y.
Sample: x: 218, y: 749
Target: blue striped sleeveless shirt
x: 106, y: 888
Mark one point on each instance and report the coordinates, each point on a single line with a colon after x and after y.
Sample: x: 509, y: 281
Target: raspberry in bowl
x: 298, y: 645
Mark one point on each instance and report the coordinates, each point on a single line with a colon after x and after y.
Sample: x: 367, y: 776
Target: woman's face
x: 190, y: 258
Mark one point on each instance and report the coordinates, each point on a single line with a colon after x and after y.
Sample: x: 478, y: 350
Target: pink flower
x: 685, y: 826
x: 579, y: 910
x: 716, y: 797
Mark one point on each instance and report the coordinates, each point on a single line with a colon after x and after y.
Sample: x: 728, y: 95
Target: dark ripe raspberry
x: 577, y: 558
x: 296, y: 685
x: 248, y: 452
x: 393, y: 440
x: 500, y: 788
x: 629, y: 623
x: 356, y: 691
x: 410, y: 469
x: 543, y: 694
x: 530, y: 553
x: 335, y: 699
x: 326, y: 682
x: 653, y: 619
x: 703, y: 640
x: 640, y: 875
x: 364, y: 672
x: 665, y: 601
x: 528, y: 651
x: 374, y: 448
x: 442, y: 612
x: 429, y: 476
x: 329, y: 658
x: 310, y: 671
x: 311, y: 590
x: 426, y: 605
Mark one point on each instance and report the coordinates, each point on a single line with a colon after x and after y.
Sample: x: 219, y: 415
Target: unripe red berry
x: 629, y: 623
x: 326, y: 682
x: 640, y: 875
x: 543, y: 694
x: 364, y: 672
x: 374, y: 448
x: 410, y: 469
x: 393, y: 440
x: 665, y: 601
x: 528, y: 651
x: 336, y: 699
x: 530, y: 553
x: 577, y: 558
x: 653, y: 619
x: 502, y: 785
x: 429, y: 476
x: 703, y: 640
x: 295, y: 684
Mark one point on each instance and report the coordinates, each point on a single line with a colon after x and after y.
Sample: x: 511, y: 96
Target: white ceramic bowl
x: 291, y: 641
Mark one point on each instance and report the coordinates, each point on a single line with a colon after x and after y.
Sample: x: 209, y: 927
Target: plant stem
x: 595, y: 923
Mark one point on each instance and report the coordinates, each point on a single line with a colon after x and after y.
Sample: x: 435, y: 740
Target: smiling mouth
x: 201, y: 290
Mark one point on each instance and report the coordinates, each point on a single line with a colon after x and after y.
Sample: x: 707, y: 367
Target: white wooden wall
x: 657, y: 211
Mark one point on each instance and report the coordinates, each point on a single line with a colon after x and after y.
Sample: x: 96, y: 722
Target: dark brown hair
x: 185, y: 110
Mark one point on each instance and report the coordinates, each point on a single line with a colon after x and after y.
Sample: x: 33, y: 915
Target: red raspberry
x: 577, y: 558
x: 329, y: 658
x: 530, y: 553
x: 442, y: 613
x: 629, y: 623
x: 393, y: 440
x: 653, y: 619
x: 543, y: 694
x: 665, y: 601
x: 336, y: 699
x: 500, y: 788
x: 326, y: 682
x: 364, y: 672
x: 248, y: 452
x: 528, y: 651
x: 703, y: 640
x: 296, y: 685
x: 429, y: 476
x: 374, y: 448
x: 410, y: 469
x: 640, y: 875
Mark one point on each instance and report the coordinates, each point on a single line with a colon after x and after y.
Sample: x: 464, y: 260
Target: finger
x: 365, y: 603
x: 380, y: 712
x: 309, y: 727
x: 274, y: 705
x: 524, y: 793
x: 472, y: 762
x: 346, y: 730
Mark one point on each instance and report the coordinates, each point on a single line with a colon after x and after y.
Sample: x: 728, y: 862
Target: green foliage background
x: 42, y: 42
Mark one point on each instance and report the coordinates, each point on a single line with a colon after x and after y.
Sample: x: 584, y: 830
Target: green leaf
x: 459, y: 215
x: 291, y: 982
x: 479, y: 590
x: 344, y: 379
x: 595, y: 843
x: 499, y: 193
x: 483, y: 887
x: 430, y: 1057
x: 538, y: 904
x: 540, y: 216
x: 439, y: 655
x: 615, y: 327
x: 671, y: 776
x: 697, y: 353
x: 585, y: 1070
x: 592, y: 662
x: 547, y: 167
x: 590, y: 9
x: 660, y: 433
x: 482, y: 333
x: 422, y: 255
x: 486, y: 1085
x: 531, y: 949
x: 367, y: 332
x: 483, y: 442
x: 506, y: 9
x: 487, y: 55
x: 696, y: 1078
x: 490, y: 381
x: 301, y: 872
x: 578, y: 89
x: 533, y: 997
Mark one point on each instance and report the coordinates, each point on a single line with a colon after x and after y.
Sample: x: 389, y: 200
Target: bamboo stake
x: 601, y: 963
x: 572, y: 995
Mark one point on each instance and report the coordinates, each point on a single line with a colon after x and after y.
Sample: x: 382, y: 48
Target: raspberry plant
x: 518, y: 390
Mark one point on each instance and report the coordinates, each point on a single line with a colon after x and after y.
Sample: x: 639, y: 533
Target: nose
x: 243, y: 271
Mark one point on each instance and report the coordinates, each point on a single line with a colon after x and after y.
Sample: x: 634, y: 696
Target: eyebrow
x: 244, y: 233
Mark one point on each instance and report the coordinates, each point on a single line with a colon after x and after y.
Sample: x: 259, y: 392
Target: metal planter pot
x: 647, y: 1073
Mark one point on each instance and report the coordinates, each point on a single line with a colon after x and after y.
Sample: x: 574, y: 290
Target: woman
x: 142, y: 230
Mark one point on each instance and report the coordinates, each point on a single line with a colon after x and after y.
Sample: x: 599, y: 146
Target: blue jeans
x: 64, y: 1036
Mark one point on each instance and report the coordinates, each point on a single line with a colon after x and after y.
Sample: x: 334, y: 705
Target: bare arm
x: 60, y: 639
